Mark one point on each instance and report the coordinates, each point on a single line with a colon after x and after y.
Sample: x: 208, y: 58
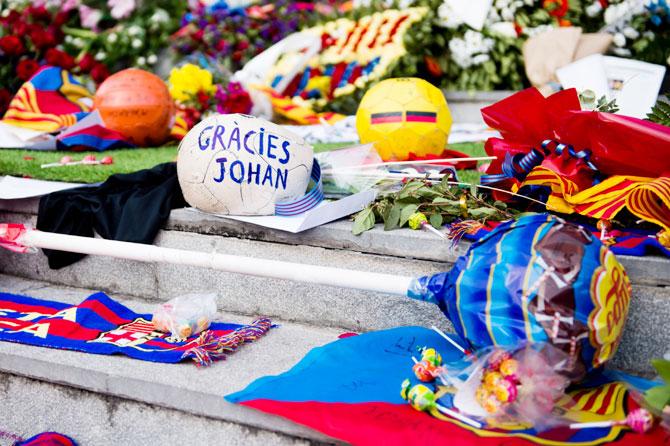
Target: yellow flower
x: 186, y: 82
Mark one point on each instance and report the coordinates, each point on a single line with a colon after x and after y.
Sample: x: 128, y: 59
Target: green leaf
x: 478, y: 213
x: 427, y: 192
x: 658, y: 397
x: 363, y: 221
x: 436, y: 220
x: 662, y: 366
x: 406, y: 213
x: 393, y: 218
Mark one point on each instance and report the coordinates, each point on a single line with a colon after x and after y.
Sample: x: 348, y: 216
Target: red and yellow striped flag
x: 646, y: 198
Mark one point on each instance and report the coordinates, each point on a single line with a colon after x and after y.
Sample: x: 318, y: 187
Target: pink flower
x: 89, y: 17
x: 69, y: 5
x: 120, y: 9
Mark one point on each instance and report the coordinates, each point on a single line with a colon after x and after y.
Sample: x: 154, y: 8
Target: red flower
x: 518, y: 29
x: 557, y: 8
x: 59, y: 58
x: 242, y: 45
x: 61, y: 18
x: 26, y: 68
x: 11, y: 46
x: 433, y: 66
x: 5, y: 98
x: 203, y: 100
x: 39, y: 13
x: 237, y: 56
x: 86, y: 63
x: 604, y: 3
x: 327, y: 40
x: 197, y: 36
x: 99, y: 73
x: 42, y: 39
x: 12, y: 17
x: 19, y: 27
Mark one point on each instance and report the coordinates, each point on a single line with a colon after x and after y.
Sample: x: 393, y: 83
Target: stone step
x: 323, y: 306
x: 110, y: 400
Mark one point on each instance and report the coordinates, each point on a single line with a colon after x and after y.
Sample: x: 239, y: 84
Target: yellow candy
x: 492, y: 380
x: 502, y: 394
x: 184, y: 331
x: 509, y: 367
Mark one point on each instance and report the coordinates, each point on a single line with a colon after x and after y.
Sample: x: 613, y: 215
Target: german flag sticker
x: 418, y: 116
x: 385, y: 118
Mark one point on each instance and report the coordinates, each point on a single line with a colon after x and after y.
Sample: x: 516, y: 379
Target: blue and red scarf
x: 101, y: 325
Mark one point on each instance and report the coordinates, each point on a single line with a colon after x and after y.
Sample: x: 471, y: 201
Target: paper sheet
x: 324, y: 213
x: 634, y: 84
x: 13, y: 188
x: 344, y: 131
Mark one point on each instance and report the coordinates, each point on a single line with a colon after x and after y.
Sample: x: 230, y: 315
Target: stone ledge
x: 175, y: 386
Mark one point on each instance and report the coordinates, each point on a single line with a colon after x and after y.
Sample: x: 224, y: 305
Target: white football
x: 242, y: 165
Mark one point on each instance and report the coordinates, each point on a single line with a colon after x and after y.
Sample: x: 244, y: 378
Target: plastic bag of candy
x: 518, y: 386
x: 186, y: 315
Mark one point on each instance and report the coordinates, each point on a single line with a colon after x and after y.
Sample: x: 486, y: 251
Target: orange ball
x: 138, y: 105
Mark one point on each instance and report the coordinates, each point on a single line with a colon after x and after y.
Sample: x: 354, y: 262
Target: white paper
x: 15, y: 137
x: 325, y: 212
x: 13, y: 188
x: 344, y: 131
x: 587, y: 73
x: 634, y: 84
x: 471, y: 12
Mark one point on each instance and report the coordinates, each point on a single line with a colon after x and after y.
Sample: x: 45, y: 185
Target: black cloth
x: 129, y: 207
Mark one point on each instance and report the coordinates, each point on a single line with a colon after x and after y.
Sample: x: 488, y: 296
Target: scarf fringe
x: 209, y: 347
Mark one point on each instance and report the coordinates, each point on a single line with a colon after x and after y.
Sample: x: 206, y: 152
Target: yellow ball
x: 402, y: 116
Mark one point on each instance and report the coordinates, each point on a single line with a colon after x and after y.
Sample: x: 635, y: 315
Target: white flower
x: 470, y: 50
x: 631, y: 33
x: 141, y: 60
x: 507, y: 14
x: 619, y: 40
x: 78, y: 42
x: 134, y: 30
x: 448, y: 17
x: 593, y: 9
x: 623, y: 52
x: 101, y: 55
x: 112, y: 37
x: 68, y: 38
x: 136, y: 43
x: 120, y: 9
x: 505, y: 29
x: 152, y: 59
x: 5, y: 13
x: 160, y: 16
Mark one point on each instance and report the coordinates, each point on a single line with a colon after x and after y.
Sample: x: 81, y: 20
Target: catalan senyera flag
x: 350, y: 390
x: 50, y: 101
x: 646, y: 198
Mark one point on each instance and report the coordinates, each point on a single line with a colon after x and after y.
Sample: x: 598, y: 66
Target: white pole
x: 299, y: 272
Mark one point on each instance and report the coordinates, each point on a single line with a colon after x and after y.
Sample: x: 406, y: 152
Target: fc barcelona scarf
x: 101, y: 325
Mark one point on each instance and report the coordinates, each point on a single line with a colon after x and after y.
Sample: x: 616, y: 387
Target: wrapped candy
x: 520, y: 386
x: 185, y: 316
x: 536, y: 280
x: 423, y: 399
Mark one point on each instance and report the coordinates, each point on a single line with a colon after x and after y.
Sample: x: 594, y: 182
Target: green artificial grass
x: 26, y: 163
